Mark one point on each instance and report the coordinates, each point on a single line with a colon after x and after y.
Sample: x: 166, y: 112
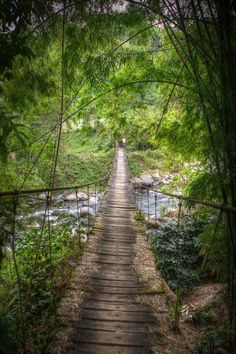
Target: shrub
x: 176, y: 253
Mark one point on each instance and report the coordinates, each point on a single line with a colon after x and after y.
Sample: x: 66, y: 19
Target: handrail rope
x: 223, y: 207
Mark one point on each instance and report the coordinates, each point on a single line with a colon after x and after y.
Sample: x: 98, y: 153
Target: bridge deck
x: 112, y: 321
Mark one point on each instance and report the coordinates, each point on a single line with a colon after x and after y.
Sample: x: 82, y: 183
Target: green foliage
x: 175, y: 309
x: 202, y: 318
x: 147, y: 160
x: 42, y: 280
x: 9, y: 127
x: 212, y: 340
x: 199, y: 239
x: 139, y: 216
x: 213, y: 243
x: 83, y: 168
x: 163, y: 210
x: 175, y: 251
x: 8, y: 326
x: 81, y: 160
x: 202, y: 183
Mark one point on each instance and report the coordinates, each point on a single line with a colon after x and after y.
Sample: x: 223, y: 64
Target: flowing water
x: 154, y: 204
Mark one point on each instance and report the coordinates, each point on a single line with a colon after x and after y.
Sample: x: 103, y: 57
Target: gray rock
x: 137, y: 183
x: 86, y: 210
x: 147, y: 180
x: 43, y: 196
x: 82, y: 196
x: 156, y: 176
x: 58, y: 199
x: 72, y: 196
x: 92, y: 202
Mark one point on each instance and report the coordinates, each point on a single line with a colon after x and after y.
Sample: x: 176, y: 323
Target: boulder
x: 58, y: 199
x: 154, y: 223
x: 86, y: 211
x: 156, y: 176
x: 92, y: 202
x: 42, y: 196
x: 72, y: 197
x: 147, y: 180
x: 82, y: 196
x: 137, y: 183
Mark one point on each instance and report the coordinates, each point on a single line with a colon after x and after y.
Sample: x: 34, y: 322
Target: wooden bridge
x: 111, y: 318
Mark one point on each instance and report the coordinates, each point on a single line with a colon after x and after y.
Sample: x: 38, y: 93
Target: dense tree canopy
x: 172, y: 63
x: 160, y: 72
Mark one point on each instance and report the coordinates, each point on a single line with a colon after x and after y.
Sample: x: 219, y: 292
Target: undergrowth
x: 84, y: 158
x: 28, y: 303
x: 213, y: 339
x: 146, y: 160
x: 151, y: 160
x: 176, y: 253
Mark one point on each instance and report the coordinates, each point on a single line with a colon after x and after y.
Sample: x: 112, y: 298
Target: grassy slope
x: 152, y: 160
x: 83, y: 158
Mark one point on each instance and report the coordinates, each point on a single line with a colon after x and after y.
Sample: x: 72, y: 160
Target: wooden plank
x: 116, y: 290
x: 115, y: 283
x: 122, y: 298
x: 114, y: 306
x: 116, y: 239
x: 124, y: 241
x: 111, y: 326
x: 88, y: 348
x: 117, y: 316
x: 117, y: 338
x: 117, y: 231
x: 113, y: 260
x: 115, y: 253
x: 117, y: 246
x: 116, y: 277
x: 116, y: 272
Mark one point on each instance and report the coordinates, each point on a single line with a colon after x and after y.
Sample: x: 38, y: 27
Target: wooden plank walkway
x: 112, y: 320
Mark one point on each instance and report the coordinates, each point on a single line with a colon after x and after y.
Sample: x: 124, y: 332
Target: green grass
x: 152, y: 160
x: 85, y: 157
x: 78, y: 170
x: 78, y: 141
